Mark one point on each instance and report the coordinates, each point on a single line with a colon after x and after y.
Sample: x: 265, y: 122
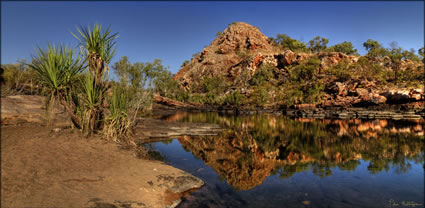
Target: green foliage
x: 57, y: 70
x: 141, y: 75
x: 287, y: 42
x: 421, y: 52
x: 244, y: 54
x: 219, y: 33
x: 213, y: 84
x: 344, y: 47
x: 185, y: 63
x: 18, y: 78
x: 305, y: 71
x: 367, y: 69
x: 340, y: 70
x: 263, y: 74
x: 375, y: 49
x: 118, y: 121
x: 99, y: 48
x: 371, y: 44
x: 97, y: 41
x: 311, y: 92
x: 259, y: 96
x: 196, y: 98
x: 166, y: 86
x: 235, y: 99
x: 91, y: 101
x: 318, y: 44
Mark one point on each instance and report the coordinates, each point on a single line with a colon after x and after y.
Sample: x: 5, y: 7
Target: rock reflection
x: 253, y: 147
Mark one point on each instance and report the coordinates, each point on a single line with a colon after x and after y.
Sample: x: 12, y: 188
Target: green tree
x: 122, y: 68
x: 344, y: 47
x: 287, y: 42
x: 57, y: 70
x: 99, y: 48
x: 421, y: 53
x: 375, y: 49
x: 185, y: 63
x: 318, y: 44
x: 371, y: 44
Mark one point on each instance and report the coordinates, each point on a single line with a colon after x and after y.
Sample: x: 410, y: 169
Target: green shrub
x: 263, y: 74
x: 235, y: 99
x: 344, y: 47
x: 305, y: 71
x: 340, y: 70
x: 259, y: 96
x: 19, y: 79
x: 286, y: 42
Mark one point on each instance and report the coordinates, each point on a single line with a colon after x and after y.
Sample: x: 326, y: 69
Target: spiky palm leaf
x: 91, y: 99
x: 57, y: 70
x: 99, y: 46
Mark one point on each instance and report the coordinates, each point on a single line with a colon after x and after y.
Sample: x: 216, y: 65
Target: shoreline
x: 54, y: 165
x: 395, y: 112
x: 42, y: 167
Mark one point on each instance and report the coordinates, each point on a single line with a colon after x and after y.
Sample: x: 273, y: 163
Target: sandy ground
x: 44, y: 168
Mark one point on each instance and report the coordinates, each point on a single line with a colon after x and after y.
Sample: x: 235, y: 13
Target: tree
x: 344, y: 47
x: 371, y: 44
x: 121, y: 68
x: 57, y: 70
x: 139, y: 74
x: 185, y: 63
x: 318, y: 44
x: 99, y: 48
x: 375, y: 49
x: 421, y: 52
x: 287, y: 42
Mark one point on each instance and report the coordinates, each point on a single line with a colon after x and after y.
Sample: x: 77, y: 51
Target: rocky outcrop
x: 237, y: 54
x: 30, y: 108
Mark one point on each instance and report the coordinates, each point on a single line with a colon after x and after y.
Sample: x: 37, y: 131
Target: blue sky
x: 173, y: 31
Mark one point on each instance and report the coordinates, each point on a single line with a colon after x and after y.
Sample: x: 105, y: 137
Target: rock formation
x: 238, y: 52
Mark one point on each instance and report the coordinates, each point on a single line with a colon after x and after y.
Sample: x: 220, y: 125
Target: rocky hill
x: 241, y: 67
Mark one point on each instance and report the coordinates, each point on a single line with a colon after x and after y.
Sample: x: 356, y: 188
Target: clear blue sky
x: 173, y: 31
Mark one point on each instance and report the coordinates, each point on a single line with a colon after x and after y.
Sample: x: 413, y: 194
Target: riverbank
x: 55, y: 166
x: 411, y: 110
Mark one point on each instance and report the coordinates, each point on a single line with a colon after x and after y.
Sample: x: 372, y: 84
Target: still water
x: 276, y: 161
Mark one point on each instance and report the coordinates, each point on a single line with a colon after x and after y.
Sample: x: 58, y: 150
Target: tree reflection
x: 253, y: 147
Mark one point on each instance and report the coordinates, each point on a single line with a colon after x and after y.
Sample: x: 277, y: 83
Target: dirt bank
x: 42, y: 168
x: 57, y: 167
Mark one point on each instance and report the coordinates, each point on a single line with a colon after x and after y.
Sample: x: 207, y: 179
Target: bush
x: 259, y: 96
x: 344, y: 47
x: 19, y: 79
x: 235, y: 99
x: 305, y: 71
x: 286, y: 42
x: 302, y: 93
x: 263, y: 74
x: 341, y: 71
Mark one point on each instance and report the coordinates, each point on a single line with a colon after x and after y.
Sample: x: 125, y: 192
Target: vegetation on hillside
x: 302, y: 82
x: 306, y: 81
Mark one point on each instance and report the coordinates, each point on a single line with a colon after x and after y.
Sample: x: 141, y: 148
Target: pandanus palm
x: 57, y: 70
x: 99, y: 48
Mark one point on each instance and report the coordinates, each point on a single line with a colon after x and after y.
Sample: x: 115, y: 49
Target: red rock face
x: 237, y: 43
x: 241, y: 49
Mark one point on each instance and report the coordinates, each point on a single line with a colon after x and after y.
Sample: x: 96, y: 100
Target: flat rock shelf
x: 148, y: 130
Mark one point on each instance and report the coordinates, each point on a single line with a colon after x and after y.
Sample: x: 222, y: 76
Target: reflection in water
x: 253, y: 147
x: 275, y: 161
